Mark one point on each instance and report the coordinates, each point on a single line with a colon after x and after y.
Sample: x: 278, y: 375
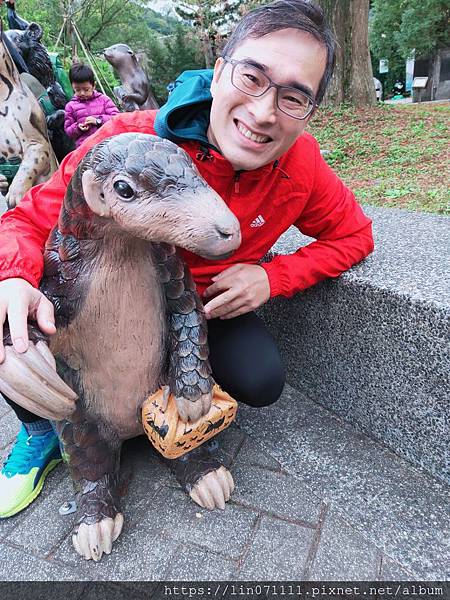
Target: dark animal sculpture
x: 23, y: 132
x: 62, y: 144
x: 135, y: 92
x: 128, y: 320
x: 28, y: 43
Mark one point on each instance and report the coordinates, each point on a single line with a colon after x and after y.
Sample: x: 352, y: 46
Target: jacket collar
x: 185, y: 115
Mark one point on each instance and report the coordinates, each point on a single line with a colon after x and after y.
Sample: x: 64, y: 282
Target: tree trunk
x: 362, y: 90
x: 207, y: 50
x: 352, y: 80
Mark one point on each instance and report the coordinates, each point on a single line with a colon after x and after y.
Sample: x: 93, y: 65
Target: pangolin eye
x: 123, y: 189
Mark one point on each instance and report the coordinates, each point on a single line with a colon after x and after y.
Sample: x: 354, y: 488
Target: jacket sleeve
x: 342, y: 231
x: 25, y: 229
x: 109, y: 110
x: 70, y: 123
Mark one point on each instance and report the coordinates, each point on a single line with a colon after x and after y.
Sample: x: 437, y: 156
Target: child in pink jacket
x: 88, y: 109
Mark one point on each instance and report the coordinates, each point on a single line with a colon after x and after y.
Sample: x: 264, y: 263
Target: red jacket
x: 299, y: 189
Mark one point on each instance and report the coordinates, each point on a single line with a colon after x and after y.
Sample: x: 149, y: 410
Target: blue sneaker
x: 30, y: 461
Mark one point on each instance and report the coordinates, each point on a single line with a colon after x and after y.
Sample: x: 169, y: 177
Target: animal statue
x: 62, y: 144
x: 14, y: 21
x: 135, y: 92
x: 28, y: 50
x: 34, y: 54
x: 23, y: 132
x: 129, y: 320
x: 52, y: 101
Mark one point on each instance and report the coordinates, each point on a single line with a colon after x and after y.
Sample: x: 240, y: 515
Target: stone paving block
x: 343, y: 554
x: 4, y: 408
x: 43, y: 527
x: 278, y: 552
x: 253, y: 454
x: 142, y: 475
x: 411, y: 525
x: 299, y: 434
x: 278, y: 493
x: 191, y: 563
x: 18, y: 565
x: 176, y: 514
x: 139, y: 554
x: 9, y: 428
x: 392, y: 571
x: 403, y: 511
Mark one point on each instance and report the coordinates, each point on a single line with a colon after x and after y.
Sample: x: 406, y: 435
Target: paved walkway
x: 314, y: 500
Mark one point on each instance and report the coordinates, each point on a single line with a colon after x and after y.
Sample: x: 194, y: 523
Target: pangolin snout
x: 229, y: 232
x: 222, y: 239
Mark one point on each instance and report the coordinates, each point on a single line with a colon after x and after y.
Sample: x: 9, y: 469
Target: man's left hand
x: 236, y: 291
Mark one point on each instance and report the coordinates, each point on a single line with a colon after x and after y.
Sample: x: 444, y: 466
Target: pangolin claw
x: 213, y: 489
x: 192, y: 410
x: 92, y: 541
x: 30, y: 380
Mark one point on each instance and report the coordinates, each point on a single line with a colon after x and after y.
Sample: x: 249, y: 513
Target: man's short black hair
x: 79, y: 73
x: 304, y: 15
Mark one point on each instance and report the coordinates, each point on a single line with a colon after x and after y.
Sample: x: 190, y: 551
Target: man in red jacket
x: 243, y: 125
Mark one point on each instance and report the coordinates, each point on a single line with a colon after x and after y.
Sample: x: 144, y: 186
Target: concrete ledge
x: 372, y: 346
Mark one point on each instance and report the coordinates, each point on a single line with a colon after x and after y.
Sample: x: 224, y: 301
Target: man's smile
x: 251, y: 135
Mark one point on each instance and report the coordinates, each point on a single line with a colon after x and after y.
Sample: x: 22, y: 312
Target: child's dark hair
x: 79, y: 73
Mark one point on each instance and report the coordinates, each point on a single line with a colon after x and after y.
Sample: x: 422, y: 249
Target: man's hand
x: 18, y: 301
x: 236, y: 291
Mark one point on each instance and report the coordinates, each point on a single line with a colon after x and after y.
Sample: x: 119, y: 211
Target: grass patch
x: 389, y: 155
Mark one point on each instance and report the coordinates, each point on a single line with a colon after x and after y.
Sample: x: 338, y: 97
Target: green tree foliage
x: 170, y: 56
x: 45, y: 12
x: 399, y: 26
x: 424, y: 26
x: 385, y: 19
x: 213, y: 19
x: 162, y: 24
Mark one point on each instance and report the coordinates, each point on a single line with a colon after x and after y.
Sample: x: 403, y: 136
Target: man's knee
x: 263, y: 388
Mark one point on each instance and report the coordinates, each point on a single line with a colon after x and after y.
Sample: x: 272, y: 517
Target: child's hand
x: 83, y: 126
x: 90, y: 121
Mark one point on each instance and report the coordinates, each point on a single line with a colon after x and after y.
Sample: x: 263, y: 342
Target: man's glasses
x: 252, y: 81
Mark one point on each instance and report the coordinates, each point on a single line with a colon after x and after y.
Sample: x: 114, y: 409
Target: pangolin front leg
x: 189, y: 371
x: 93, y: 458
x: 202, y: 476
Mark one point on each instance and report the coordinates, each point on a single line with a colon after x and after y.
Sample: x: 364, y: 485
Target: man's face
x: 289, y: 57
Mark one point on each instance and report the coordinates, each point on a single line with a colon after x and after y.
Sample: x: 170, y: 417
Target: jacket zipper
x: 237, y: 176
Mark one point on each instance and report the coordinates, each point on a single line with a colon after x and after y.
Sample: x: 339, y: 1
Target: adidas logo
x: 258, y: 222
